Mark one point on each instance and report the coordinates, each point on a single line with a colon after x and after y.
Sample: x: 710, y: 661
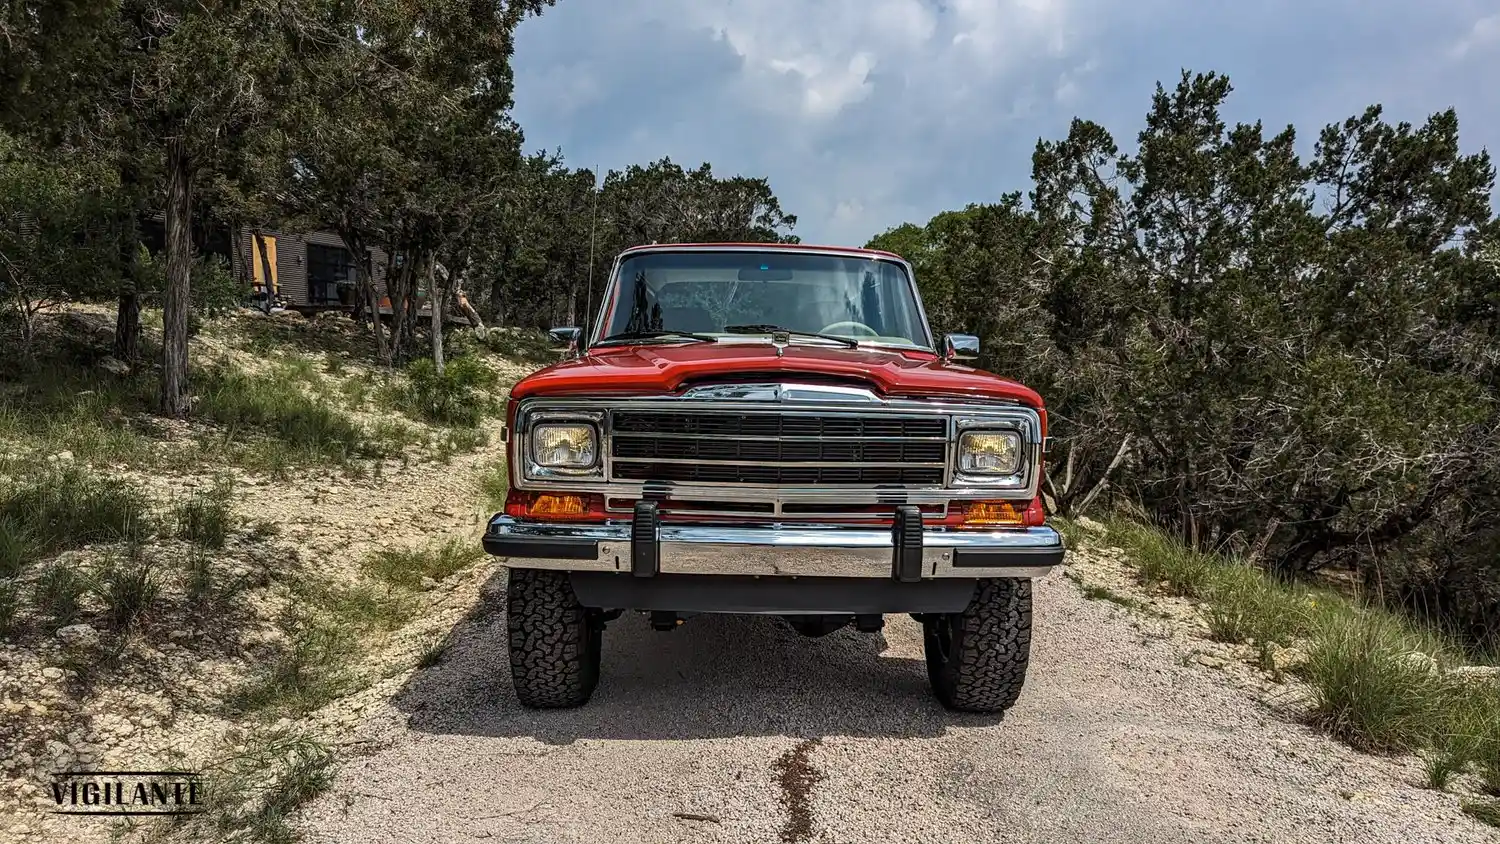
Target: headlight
x: 564, y: 445
x: 989, y: 453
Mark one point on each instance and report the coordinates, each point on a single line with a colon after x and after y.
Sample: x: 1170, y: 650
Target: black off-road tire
x: 977, y: 659
x: 554, y: 641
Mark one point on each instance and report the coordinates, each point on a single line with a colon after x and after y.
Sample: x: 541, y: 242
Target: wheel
x: 977, y: 659
x: 554, y: 641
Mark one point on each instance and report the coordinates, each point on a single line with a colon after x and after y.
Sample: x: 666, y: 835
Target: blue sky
x: 868, y: 113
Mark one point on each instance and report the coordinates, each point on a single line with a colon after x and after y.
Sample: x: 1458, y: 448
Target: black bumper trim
x: 542, y: 547
x: 1007, y: 557
x: 906, y: 544
x: 645, y: 542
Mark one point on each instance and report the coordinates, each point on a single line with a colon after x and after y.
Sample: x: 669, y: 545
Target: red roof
x: 788, y: 247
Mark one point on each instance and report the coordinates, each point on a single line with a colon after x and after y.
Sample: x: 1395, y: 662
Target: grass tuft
x: 251, y: 794
x: 312, y: 670
x: 70, y: 507
x: 10, y: 607
x: 494, y: 485
x: 313, y: 428
x: 59, y: 594
x: 1373, y: 684
x: 128, y: 590
x: 1160, y: 559
x: 406, y: 567
x: 207, y: 518
x: 1484, y: 811
x: 18, y: 548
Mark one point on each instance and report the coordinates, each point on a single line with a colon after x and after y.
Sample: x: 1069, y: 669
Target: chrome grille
x: 777, y: 448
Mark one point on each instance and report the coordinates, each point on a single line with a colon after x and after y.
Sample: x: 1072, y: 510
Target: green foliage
x: 1277, y: 356
x: 459, y: 396
x: 275, y: 407
x: 494, y: 485
x: 1374, y: 685
x: 56, y: 238
x: 407, y: 567
x: 127, y: 590
x: 1484, y: 811
x: 310, y: 670
x: 206, y: 518
x: 72, y: 507
x: 10, y: 606
x: 253, y: 792
x: 59, y: 594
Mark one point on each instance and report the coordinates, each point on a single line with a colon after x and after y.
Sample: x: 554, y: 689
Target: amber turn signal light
x: 547, y: 506
x: 985, y: 513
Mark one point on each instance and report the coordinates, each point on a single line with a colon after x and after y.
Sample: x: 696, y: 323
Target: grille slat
x: 778, y: 448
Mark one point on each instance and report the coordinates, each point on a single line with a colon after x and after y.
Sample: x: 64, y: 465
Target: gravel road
x: 737, y: 729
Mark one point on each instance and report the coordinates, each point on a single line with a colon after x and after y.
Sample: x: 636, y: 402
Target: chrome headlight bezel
x: 536, y: 420
x: 1018, y: 478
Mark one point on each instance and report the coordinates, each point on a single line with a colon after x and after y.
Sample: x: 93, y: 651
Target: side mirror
x: 565, y: 339
x: 960, y: 347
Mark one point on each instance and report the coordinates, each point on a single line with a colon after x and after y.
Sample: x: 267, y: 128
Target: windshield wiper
x: 628, y: 336
x: 763, y: 328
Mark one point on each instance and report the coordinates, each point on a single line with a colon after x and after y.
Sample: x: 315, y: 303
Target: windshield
x: 726, y: 294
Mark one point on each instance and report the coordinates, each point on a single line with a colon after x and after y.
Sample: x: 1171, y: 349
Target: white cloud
x: 1484, y: 33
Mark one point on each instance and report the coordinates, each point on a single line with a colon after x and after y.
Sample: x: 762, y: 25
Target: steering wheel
x: 858, y: 328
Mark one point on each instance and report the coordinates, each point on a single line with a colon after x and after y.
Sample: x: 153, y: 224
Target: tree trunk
x: 174, y: 346
x: 128, y: 327
x: 365, y: 284
x: 459, y: 301
x: 435, y: 297
x: 128, y: 315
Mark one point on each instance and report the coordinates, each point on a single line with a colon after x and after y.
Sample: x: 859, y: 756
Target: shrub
x: 459, y: 396
x: 523, y: 344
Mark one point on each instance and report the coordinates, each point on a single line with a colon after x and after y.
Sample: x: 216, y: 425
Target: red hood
x: 658, y: 369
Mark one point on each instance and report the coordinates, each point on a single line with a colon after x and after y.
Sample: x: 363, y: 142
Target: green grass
x: 1484, y: 811
x: 1096, y: 592
x: 252, y: 792
x: 65, y: 405
x: 18, y: 547
x: 10, y: 607
x: 1373, y: 685
x: 406, y: 567
x: 494, y: 485
x: 206, y: 518
x: 1377, y: 677
x: 70, y: 507
x: 249, y: 405
x: 314, y: 668
x: 127, y: 588
x: 58, y: 594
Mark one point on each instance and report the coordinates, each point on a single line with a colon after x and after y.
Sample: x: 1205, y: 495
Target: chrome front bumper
x: 646, y: 548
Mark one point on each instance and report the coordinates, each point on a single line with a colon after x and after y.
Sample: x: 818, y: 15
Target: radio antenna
x: 588, y: 296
